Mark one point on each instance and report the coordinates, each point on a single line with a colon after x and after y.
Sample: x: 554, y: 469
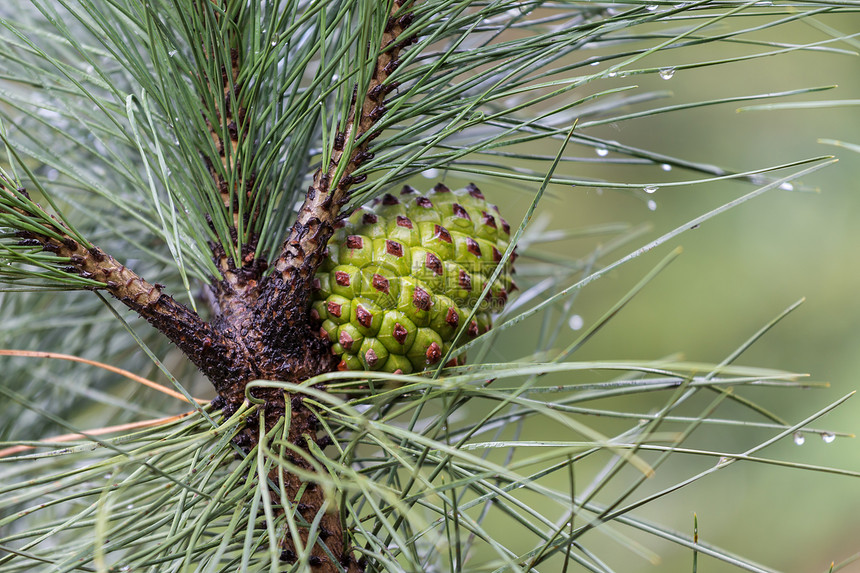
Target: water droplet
x: 666, y: 73
x: 723, y: 460
x: 575, y: 322
x: 601, y: 151
x: 172, y: 53
x: 594, y: 64
x: 652, y: 205
x: 651, y: 7
x: 431, y: 173
x: 764, y: 3
x: 274, y: 43
x: 666, y: 167
x: 52, y: 174
x: 787, y: 186
x: 828, y: 437
x: 612, y: 74
x: 650, y: 189
x: 799, y: 438
x: 130, y: 506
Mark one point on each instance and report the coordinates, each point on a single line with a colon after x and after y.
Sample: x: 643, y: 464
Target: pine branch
x: 225, y: 111
x: 217, y: 355
x: 282, y: 311
x: 304, y: 250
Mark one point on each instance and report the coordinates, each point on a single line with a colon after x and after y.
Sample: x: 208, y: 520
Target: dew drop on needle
x: 666, y: 73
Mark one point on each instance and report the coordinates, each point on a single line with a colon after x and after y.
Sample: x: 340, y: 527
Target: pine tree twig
x: 282, y: 315
x: 228, y: 118
x: 304, y: 250
x: 241, y: 269
x: 215, y: 352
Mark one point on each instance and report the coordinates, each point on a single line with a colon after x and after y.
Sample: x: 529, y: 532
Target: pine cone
x: 402, y: 275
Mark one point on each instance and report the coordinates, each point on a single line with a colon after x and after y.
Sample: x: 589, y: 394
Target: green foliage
x: 103, y: 111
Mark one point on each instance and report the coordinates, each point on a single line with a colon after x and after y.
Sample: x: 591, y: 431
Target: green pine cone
x: 401, y: 276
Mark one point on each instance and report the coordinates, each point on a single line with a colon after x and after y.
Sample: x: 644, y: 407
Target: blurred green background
x: 737, y: 272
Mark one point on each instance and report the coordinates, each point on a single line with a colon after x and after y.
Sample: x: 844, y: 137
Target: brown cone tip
x: 434, y: 353
x: 433, y: 263
x: 460, y: 211
x: 404, y: 222
x: 440, y: 232
x: 474, y: 191
x: 354, y: 242
x: 421, y: 299
x: 488, y: 219
x: 399, y: 333
x: 381, y: 284
x: 363, y: 315
x: 452, y: 318
x: 341, y: 278
x: 465, y: 280
x: 345, y: 340
x: 473, y: 247
x: 473, y: 329
x: 334, y: 308
x: 371, y: 357
x: 389, y: 199
x: 393, y: 248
